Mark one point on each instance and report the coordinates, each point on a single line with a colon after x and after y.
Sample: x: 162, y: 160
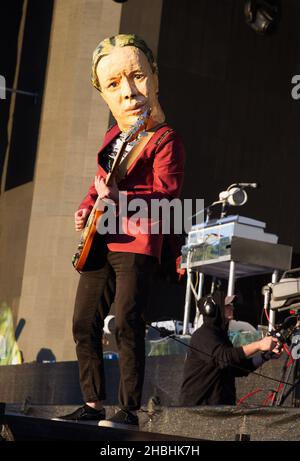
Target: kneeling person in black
x: 212, y: 363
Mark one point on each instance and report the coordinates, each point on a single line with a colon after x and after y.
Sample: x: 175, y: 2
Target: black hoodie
x: 209, y: 370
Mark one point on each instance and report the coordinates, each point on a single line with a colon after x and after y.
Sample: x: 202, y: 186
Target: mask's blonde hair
x: 108, y: 44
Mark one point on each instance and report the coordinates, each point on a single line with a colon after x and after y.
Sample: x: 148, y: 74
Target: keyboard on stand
x: 231, y: 248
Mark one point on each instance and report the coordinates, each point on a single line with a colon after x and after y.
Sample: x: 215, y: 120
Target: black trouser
x: 133, y: 275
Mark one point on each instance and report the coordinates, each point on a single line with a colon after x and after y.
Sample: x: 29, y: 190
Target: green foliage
x: 9, y: 351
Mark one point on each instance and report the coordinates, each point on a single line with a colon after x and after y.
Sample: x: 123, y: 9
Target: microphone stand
x: 224, y: 209
x: 208, y: 210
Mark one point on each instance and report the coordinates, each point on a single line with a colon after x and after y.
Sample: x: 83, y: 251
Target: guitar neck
x: 131, y: 135
x: 111, y: 175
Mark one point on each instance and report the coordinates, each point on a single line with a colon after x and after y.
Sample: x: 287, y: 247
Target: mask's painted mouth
x: 136, y: 109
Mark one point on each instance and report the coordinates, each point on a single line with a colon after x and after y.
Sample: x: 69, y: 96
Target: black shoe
x: 84, y: 413
x: 123, y: 419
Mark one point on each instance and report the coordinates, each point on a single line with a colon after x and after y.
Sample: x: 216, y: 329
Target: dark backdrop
x: 9, y: 27
x: 34, y: 55
x: 228, y: 92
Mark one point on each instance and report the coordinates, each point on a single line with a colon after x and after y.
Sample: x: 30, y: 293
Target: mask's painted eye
x: 113, y: 84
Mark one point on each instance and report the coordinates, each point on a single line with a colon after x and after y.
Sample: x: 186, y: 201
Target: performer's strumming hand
x: 107, y: 192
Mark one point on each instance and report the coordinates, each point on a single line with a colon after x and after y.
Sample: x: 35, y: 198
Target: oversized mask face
x: 129, y: 86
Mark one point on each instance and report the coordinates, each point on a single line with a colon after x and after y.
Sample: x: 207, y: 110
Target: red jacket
x: 157, y: 172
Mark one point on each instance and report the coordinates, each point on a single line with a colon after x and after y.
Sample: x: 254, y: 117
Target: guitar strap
x: 135, y: 152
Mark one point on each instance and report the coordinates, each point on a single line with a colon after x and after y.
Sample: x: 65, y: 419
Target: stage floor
x: 214, y: 423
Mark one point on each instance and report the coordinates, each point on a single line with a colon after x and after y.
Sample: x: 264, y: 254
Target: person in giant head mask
x: 125, y: 74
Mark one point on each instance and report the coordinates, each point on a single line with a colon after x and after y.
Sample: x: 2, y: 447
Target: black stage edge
x: 29, y: 429
x: 214, y: 423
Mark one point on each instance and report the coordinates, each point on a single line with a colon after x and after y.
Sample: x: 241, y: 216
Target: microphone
x: 236, y: 196
x: 252, y: 185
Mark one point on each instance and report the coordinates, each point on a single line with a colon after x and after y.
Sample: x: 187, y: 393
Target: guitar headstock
x: 139, y: 126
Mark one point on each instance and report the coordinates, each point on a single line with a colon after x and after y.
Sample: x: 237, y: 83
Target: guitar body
x: 89, y: 240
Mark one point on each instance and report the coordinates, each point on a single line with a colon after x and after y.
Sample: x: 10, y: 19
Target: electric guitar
x: 89, y: 235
